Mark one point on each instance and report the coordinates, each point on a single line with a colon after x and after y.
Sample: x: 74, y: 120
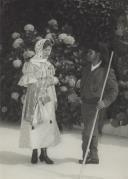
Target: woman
x: 38, y: 126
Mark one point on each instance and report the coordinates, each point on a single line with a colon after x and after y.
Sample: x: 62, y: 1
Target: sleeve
x: 28, y: 76
x: 54, y: 93
x: 51, y: 80
x: 111, y: 90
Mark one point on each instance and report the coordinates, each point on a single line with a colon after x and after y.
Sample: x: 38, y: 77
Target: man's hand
x: 101, y: 105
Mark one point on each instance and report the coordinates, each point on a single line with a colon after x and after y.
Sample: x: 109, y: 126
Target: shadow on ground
x: 12, y: 158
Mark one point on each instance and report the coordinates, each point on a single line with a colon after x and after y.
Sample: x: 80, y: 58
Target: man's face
x: 91, y: 55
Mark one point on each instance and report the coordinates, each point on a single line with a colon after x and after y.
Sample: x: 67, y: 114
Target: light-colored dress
x: 39, y: 80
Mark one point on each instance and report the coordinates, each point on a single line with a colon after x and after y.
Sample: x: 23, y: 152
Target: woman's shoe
x: 44, y: 157
x: 41, y: 157
x: 34, y: 158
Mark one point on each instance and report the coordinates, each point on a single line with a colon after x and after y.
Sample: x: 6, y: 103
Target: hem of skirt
x: 40, y: 146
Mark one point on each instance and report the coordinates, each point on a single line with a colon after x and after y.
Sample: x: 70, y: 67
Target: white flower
x: 72, y: 81
x: 66, y: 79
x: 28, y: 54
x: 69, y: 40
x: 47, y: 31
x: 29, y: 27
x: 62, y: 36
x: 17, y: 43
x: 78, y: 84
x: 119, y: 31
x: 56, y: 81
x: 17, y: 63
x: 52, y: 22
x: 51, y: 37
x: 63, y: 89
x: 15, y: 35
x: 15, y: 95
x: 4, y: 109
x: 35, y: 32
x: 73, y: 98
x: 38, y: 38
x: 10, y: 58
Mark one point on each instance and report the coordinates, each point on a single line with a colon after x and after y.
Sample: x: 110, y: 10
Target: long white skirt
x: 43, y: 135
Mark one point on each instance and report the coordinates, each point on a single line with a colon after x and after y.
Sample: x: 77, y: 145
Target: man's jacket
x: 92, y: 84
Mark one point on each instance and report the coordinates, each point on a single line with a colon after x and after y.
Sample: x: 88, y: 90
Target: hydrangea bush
x: 119, y: 110
x: 66, y: 57
x: 21, y: 50
x: 88, y: 19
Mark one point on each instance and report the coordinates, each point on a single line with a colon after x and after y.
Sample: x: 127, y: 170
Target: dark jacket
x: 92, y: 84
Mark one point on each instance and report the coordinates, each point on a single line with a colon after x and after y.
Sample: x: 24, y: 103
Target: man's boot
x: 81, y: 161
x: 93, y: 158
x: 84, y: 147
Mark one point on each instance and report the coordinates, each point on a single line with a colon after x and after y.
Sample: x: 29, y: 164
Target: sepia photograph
x: 63, y: 89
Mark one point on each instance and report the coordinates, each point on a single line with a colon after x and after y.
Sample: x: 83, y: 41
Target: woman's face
x: 46, y: 52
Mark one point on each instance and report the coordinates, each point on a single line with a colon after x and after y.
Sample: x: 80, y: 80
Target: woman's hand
x: 56, y: 80
x: 52, y: 81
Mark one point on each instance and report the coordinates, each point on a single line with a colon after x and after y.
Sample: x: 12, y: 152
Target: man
x: 93, y: 77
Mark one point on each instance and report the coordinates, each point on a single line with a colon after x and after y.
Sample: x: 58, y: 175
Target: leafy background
x: 82, y: 20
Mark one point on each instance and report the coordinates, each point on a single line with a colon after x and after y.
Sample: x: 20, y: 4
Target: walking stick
x: 96, y: 115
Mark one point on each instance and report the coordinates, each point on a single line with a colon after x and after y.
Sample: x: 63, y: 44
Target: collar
x: 93, y: 67
x: 36, y: 60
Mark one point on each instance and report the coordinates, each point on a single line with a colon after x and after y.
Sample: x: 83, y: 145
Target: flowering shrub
x: 17, y: 63
x: 63, y: 89
x: 18, y: 43
x: 63, y: 57
x: 62, y: 37
x: 51, y: 37
x: 15, y: 35
x: 29, y: 28
x: 69, y: 40
x: 15, y: 95
x: 22, y: 50
x: 66, y: 39
x: 77, y: 23
x: 52, y: 22
x: 28, y: 54
x: 4, y: 109
x: 118, y: 110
